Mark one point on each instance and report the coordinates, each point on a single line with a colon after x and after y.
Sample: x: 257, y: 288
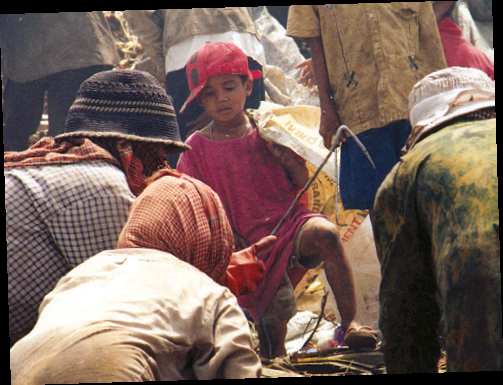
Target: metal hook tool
x: 335, y: 143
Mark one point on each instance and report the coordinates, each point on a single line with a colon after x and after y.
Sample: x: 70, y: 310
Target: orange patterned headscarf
x: 184, y: 217
x: 137, y: 159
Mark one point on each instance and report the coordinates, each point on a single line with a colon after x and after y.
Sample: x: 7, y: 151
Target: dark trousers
x: 24, y: 104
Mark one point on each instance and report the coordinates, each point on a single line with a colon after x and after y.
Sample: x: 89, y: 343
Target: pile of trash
x: 282, y: 56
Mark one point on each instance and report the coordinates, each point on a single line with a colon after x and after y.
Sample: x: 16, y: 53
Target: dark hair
x: 244, y: 78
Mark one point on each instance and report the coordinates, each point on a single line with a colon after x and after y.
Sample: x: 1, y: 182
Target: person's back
x: 178, y: 322
x: 55, y: 221
x: 157, y: 307
x: 437, y: 222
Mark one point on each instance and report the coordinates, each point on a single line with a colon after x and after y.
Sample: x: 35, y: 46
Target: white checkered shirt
x: 56, y: 218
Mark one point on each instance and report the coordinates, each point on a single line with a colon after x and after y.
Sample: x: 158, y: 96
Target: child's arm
x: 293, y: 164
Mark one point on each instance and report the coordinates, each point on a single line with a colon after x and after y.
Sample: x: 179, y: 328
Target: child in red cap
x: 257, y: 182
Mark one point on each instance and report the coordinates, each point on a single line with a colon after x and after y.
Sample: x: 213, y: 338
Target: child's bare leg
x: 322, y: 239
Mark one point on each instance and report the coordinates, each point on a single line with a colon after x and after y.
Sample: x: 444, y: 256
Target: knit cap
x: 124, y: 104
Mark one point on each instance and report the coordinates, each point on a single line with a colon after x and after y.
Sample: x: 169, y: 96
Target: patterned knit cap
x: 124, y: 104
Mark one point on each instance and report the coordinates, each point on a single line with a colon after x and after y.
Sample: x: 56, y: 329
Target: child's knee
x: 320, y: 238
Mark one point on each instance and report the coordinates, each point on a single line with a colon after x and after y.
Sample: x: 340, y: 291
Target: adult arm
x: 329, y: 122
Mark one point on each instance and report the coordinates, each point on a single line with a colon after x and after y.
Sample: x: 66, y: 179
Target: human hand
x: 244, y: 271
x: 307, y: 77
x: 292, y: 163
x: 329, y: 123
x: 282, y: 153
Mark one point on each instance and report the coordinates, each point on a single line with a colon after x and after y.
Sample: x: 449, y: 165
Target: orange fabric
x: 50, y: 152
x: 184, y: 217
x: 137, y: 160
x: 245, y: 271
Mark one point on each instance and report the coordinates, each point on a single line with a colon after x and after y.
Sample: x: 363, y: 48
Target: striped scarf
x: 137, y: 160
x: 184, y: 217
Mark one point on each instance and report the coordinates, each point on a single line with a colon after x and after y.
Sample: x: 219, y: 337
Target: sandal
x: 363, y: 338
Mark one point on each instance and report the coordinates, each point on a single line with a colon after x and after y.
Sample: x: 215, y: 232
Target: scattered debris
x: 130, y: 50
x: 333, y: 362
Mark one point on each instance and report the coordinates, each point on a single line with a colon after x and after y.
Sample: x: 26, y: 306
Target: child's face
x: 224, y: 97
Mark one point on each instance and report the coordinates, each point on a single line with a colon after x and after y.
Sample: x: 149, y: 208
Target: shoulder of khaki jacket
x: 304, y: 21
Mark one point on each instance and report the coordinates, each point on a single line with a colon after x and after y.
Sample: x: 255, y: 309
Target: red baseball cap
x: 214, y: 59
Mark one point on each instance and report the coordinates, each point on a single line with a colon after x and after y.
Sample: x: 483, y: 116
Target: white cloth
x: 189, y: 326
x: 178, y: 55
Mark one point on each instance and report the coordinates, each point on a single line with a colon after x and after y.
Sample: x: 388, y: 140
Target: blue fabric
x: 358, y: 180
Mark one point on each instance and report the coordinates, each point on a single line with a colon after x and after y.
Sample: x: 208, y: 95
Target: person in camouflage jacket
x: 437, y: 225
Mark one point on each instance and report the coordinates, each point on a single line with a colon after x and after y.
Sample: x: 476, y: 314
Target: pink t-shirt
x: 255, y: 193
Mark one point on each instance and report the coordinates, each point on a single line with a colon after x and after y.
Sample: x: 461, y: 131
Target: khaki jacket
x: 375, y: 53
x: 185, y: 324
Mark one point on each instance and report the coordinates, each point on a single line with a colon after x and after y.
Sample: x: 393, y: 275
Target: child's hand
x: 283, y: 154
x: 307, y: 77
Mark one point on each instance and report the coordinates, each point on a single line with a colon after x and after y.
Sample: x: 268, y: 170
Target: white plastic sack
x: 280, y: 50
x: 300, y: 328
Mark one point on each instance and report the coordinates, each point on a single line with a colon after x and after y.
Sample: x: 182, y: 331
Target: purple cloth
x: 256, y: 194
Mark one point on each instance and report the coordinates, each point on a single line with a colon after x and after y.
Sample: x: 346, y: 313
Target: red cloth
x: 50, y: 152
x: 137, y: 160
x: 184, y: 217
x: 459, y: 52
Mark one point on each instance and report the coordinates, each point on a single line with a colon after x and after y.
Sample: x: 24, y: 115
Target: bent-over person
x: 155, y: 309
x: 67, y: 198
x: 437, y: 222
